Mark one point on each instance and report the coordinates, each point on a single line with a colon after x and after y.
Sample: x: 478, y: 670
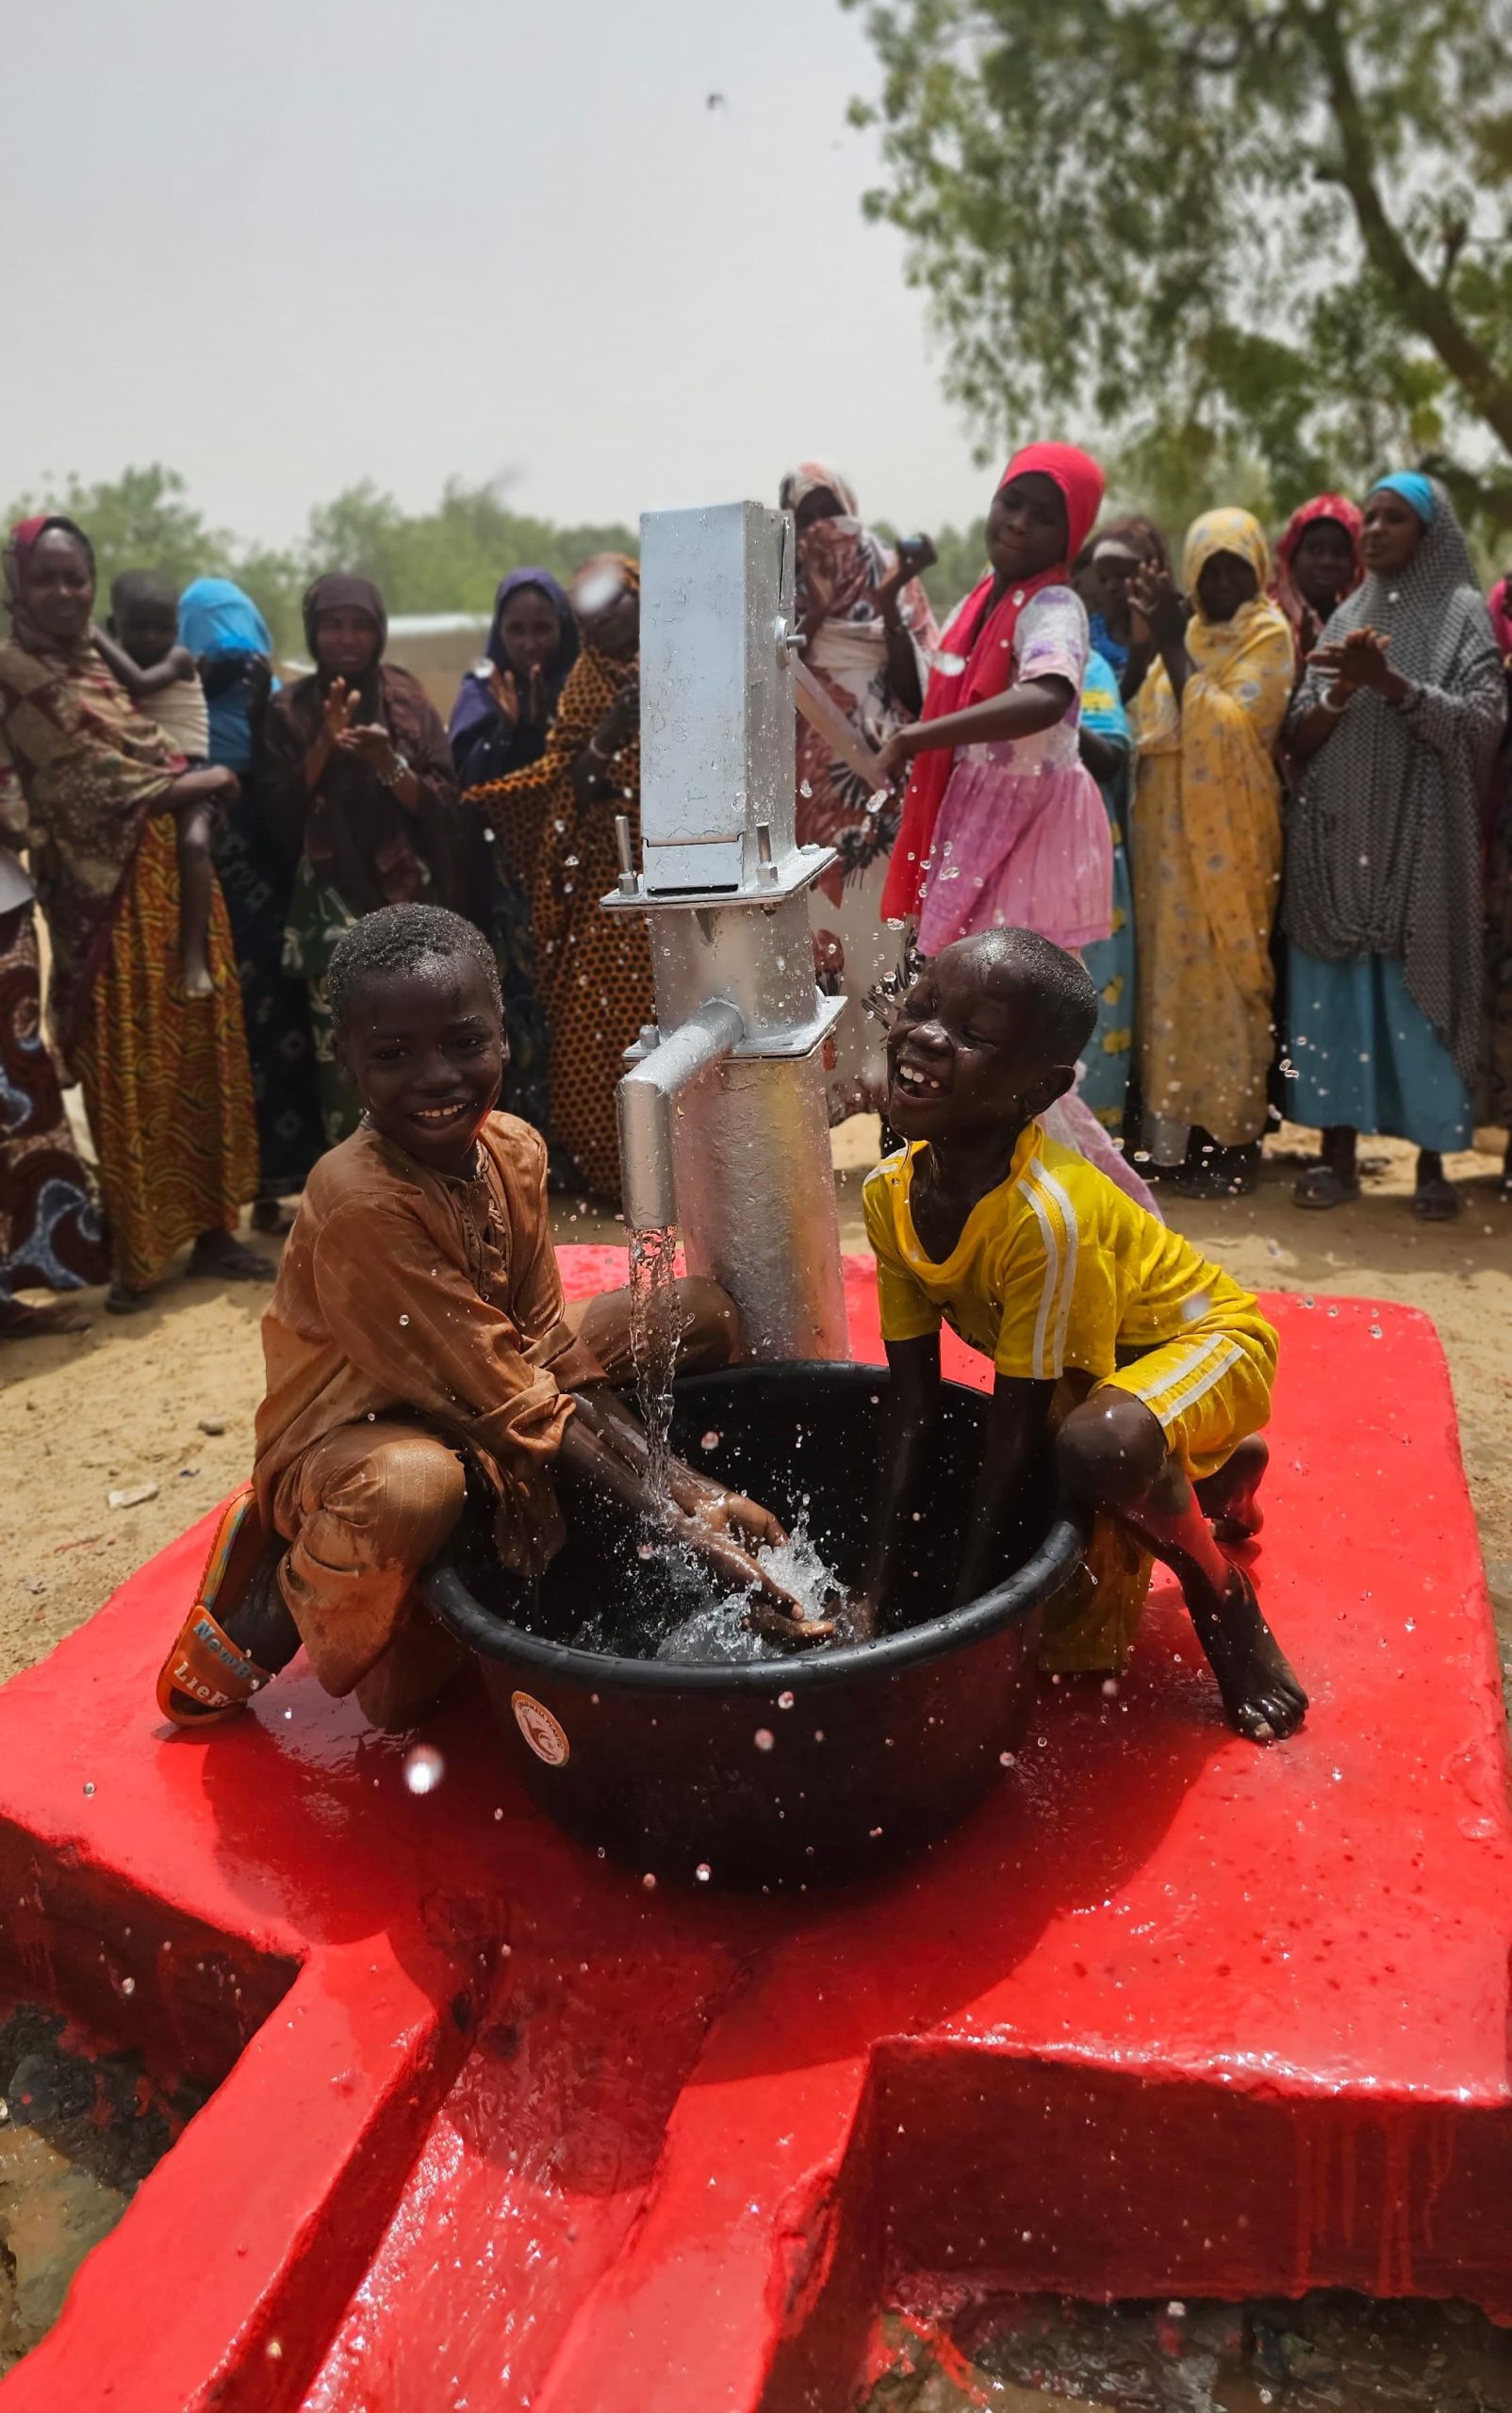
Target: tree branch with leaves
x: 1283, y: 229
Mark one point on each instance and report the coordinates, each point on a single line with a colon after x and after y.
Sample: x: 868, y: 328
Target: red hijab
x: 984, y: 632
x: 1345, y: 515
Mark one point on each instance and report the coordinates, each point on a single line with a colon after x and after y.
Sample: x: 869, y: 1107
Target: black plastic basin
x: 820, y: 1763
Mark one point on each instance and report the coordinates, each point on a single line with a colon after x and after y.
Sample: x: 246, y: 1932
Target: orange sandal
x: 207, y: 1677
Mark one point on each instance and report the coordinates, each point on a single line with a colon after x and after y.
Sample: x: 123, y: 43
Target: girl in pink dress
x: 1002, y: 822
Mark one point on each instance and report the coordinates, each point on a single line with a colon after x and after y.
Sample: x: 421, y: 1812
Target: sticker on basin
x: 546, y: 1737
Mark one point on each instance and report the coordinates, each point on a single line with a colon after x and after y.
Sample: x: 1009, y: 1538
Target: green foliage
x: 446, y: 559
x: 1278, y: 230
x: 449, y: 559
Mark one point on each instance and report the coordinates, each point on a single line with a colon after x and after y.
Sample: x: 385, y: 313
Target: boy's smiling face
x: 959, y: 1061
x: 427, y: 1051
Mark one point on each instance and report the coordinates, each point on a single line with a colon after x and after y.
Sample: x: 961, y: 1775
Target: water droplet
x: 88, y: 1792
x: 424, y: 1769
x: 1008, y: 1759
x: 709, y: 1441
x: 784, y: 1701
x: 703, y: 1872
x: 766, y: 1739
x: 404, y: 1319
x: 649, y: 1881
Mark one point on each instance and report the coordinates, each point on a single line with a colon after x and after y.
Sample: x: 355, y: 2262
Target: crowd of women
x: 1269, y: 804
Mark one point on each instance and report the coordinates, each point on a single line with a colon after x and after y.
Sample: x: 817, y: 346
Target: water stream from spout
x: 655, y: 1333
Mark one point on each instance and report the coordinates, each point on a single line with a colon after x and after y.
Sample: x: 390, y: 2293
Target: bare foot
x: 1228, y: 1498
x: 1262, y: 1699
x: 220, y: 1256
x: 18, y: 1322
x: 197, y: 980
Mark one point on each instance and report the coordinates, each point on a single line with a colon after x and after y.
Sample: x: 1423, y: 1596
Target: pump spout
x: 645, y: 1097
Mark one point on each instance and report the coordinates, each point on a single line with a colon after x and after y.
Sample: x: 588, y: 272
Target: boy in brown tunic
x: 418, y: 1329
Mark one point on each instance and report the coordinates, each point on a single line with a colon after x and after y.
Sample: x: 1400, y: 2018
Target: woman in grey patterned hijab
x: 1396, y: 721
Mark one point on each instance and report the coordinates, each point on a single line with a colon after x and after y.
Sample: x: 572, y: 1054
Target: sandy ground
x: 128, y: 1403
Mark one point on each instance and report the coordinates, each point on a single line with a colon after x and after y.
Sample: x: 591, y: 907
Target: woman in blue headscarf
x: 1108, y: 750
x: 504, y: 708
x: 1394, y: 725
x: 505, y: 704
x: 229, y: 638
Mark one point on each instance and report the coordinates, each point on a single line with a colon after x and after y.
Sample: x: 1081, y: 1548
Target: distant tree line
x: 449, y: 559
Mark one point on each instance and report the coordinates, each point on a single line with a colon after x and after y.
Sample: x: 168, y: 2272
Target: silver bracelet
x: 399, y: 771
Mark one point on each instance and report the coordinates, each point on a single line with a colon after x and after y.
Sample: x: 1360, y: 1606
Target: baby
x: 141, y: 645
x: 1042, y: 1264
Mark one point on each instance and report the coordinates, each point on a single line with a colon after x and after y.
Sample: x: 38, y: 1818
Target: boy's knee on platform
x: 404, y: 1494
x: 1110, y: 1450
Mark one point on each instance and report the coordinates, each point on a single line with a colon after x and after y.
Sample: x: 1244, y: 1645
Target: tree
x: 1278, y: 227
x: 449, y: 559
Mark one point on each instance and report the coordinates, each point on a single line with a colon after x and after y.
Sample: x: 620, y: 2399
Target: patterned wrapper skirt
x: 166, y: 1079
x: 52, y: 1235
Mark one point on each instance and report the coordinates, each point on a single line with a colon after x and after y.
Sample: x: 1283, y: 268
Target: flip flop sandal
x: 207, y: 1677
x: 1321, y: 1187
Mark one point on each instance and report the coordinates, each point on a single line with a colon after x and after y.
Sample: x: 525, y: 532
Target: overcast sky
x: 286, y: 247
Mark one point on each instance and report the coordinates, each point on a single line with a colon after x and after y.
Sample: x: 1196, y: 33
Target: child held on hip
x: 141, y: 645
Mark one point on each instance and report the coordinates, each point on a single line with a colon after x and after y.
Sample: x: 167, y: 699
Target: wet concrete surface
x: 1325, y: 2352
x: 80, y: 2127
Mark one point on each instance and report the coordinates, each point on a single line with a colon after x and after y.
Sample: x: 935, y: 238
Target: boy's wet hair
x: 400, y: 939
x: 142, y: 586
x: 1060, y: 993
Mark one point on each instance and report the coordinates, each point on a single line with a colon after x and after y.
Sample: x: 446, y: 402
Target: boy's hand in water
x: 727, y: 1559
x: 721, y: 1511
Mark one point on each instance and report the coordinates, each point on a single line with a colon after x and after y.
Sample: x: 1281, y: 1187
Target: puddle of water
x: 1327, y: 2353
x: 81, y: 2126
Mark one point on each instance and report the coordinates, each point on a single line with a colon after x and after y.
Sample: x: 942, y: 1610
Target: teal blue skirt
x: 1110, y: 1053
x: 1364, y: 1054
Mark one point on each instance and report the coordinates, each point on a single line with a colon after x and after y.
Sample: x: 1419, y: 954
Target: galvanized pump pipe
x: 722, y: 1121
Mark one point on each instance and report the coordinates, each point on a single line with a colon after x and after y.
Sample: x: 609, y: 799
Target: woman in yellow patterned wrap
x: 1208, y: 857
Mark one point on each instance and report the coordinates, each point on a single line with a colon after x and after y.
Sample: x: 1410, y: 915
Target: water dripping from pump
x: 654, y: 1333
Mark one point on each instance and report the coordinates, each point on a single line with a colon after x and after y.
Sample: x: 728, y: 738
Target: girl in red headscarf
x: 1002, y: 822
x: 1317, y: 565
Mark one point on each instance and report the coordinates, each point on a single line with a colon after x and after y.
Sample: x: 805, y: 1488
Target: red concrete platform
x: 500, y: 2128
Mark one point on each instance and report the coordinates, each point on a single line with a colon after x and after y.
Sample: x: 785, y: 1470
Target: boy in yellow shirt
x: 1039, y: 1261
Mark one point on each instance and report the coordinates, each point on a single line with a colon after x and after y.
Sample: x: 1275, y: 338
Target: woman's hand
x: 373, y: 744
x: 337, y: 711
x: 915, y: 554
x: 621, y: 721
x: 512, y: 705
x: 1158, y: 609
x: 1358, y: 660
